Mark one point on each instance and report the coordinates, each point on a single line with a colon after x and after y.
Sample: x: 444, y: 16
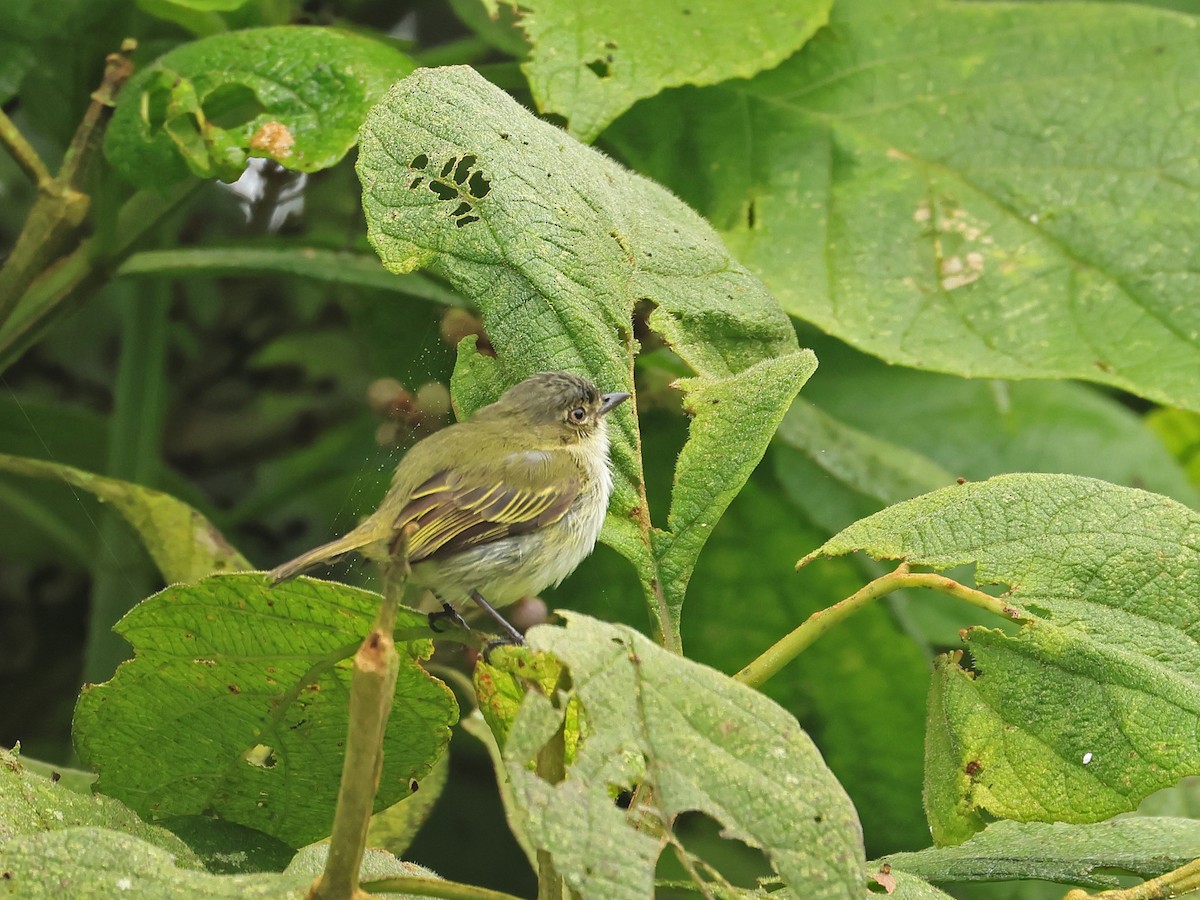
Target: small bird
x: 504, y: 504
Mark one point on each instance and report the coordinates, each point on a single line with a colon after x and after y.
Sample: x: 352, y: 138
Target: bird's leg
x: 512, y: 636
x: 446, y: 612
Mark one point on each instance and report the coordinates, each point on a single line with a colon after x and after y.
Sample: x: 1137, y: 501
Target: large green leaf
x: 1095, y: 702
x: 1080, y: 854
x: 694, y: 740
x: 292, y: 94
x: 184, y: 545
x: 978, y: 428
x: 236, y: 701
x: 33, y: 804
x: 557, y: 244
x: 98, y: 863
x: 591, y: 61
x: 979, y: 188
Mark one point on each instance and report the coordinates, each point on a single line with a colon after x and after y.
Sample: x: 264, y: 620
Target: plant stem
x: 797, y: 641
x: 435, y: 887
x: 83, y: 270
x: 21, y: 151
x: 372, y: 690
x: 1176, y: 883
x: 54, y: 224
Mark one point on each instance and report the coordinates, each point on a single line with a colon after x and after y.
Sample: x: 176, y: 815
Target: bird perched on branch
x: 502, y: 505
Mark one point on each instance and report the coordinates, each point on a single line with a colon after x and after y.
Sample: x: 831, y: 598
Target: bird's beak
x: 609, y: 401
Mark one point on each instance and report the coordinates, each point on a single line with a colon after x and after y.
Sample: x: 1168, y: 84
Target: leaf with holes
x: 1095, y: 703
x: 292, y: 94
x: 975, y: 188
x: 184, y: 544
x: 590, y: 62
x: 236, y: 704
x: 559, y: 245
x: 693, y: 739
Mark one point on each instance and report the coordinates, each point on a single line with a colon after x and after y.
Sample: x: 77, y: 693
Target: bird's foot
x: 446, y: 613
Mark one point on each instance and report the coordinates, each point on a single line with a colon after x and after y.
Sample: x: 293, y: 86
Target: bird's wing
x: 451, y: 518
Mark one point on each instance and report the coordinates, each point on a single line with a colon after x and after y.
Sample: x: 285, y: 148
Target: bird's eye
x: 577, y: 415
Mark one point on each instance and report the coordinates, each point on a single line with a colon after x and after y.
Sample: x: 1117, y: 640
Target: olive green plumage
x: 505, y: 503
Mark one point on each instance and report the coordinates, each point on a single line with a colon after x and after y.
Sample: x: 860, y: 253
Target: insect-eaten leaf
x: 682, y: 737
x: 235, y: 705
x: 292, y: 94
x: 1095, y: 702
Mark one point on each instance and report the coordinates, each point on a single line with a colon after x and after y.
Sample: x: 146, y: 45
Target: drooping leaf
x: 32, y: 804
x: 1089, y: 855
x: 557, y: 244
x: 1093, y: 704
x: 236, y: 701
x: 983, y: 189
x: 694, y: 740
x: 732, y: 422
x: 184, y: 545
x: 591, y: 61
x: 296, y: 95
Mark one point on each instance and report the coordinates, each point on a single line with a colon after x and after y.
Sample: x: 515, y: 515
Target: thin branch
x: 372, y: 690
x: 435, y: 887
x: 797, y: 641
x: 1175, y: 883
x: 22, y: 152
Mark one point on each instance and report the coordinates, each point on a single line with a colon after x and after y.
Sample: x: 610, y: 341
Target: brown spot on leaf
x: 274, y: 139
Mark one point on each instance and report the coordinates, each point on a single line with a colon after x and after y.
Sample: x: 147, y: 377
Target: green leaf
x: 226, y: 848
x: 235, y: 704
x: 32, y: 804
x: 591, y: 61
x: 859, y: 691
x: 694, y: 740
x: 956, y: 186
x: 184, y: 545
x: 1179, y: 430
x: 293, y: 94
x: 557, y: 244
x: 838, y: 474
x: 1088, y: 855
x: 394, y: 828
x: 732, y: 421
x: 315, y: 263
x: 99, y: 863
x: 977, y: 428
x: 1092, y: 705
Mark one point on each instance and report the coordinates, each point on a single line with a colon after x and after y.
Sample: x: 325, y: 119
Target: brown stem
x: 372, y: 689
x: 21, y: 151
x: 54, y: 225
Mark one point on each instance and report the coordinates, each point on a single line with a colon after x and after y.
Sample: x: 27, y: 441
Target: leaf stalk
x: 801, y: 638
x: 1175, y: 883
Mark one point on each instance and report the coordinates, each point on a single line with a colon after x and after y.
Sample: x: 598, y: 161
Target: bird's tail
x: 326, y: 553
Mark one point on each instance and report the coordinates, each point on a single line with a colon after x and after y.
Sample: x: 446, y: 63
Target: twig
x: 797, y: 641
x: 22, y: 151
x: 372, y: 690
x: 435, y: 887
x: 54, y: 225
